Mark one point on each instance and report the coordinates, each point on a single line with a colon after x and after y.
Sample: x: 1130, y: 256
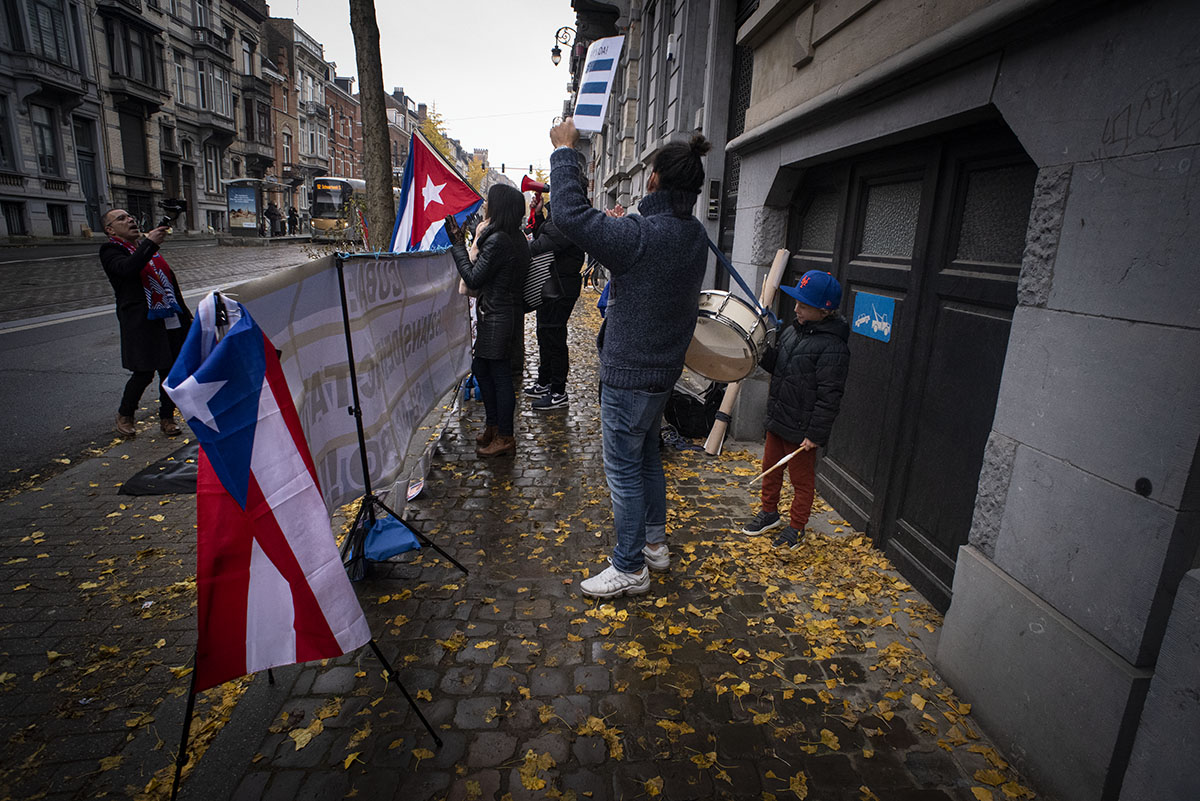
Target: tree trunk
x: 377, y: 161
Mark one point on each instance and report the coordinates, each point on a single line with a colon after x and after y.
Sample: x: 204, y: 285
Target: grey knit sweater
x: 657, y: 261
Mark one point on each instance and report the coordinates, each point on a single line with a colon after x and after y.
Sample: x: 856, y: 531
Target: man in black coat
x: 150, y: 311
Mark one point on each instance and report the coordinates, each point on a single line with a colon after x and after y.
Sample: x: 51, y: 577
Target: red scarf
x: 159, y: 284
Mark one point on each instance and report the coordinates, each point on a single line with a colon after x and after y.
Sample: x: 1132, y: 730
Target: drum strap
x: 741, y: 282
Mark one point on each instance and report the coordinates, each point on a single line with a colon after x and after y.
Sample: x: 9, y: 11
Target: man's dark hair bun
x: 699, y: 145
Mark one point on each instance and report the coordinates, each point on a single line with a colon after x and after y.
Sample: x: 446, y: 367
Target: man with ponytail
x: 657, y: 259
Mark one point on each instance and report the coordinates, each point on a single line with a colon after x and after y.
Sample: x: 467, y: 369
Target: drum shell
x: 730, y: 337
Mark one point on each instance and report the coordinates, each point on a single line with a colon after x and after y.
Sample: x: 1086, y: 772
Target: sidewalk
x: 743, y: 674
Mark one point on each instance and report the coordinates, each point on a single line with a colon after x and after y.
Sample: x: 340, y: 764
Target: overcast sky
x: 485, y: 64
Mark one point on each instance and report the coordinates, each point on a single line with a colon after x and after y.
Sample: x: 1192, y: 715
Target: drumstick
x: 777, y: 465
x: 716, y: 437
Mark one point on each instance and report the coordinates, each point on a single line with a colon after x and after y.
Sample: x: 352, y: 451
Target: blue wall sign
x: 873, y: 316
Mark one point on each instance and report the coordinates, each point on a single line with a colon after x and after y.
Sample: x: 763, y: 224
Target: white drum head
x: 719, y: 353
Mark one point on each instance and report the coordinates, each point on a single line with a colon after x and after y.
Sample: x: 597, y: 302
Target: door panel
x: 881, y: 244
x: 981, y: 213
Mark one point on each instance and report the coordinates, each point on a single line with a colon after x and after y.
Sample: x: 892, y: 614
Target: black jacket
x: 145, y: 344
x: 498, y: 275
x: 568, y: 257
x: 808, y: 367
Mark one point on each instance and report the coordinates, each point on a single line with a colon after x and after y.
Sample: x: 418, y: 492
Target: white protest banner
x: 598, y: 71
x: 411, y: 332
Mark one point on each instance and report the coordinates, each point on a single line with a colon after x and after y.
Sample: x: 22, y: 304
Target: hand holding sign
x: 564, y: 134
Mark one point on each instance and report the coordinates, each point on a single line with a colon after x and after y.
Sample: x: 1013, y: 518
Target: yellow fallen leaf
x: 108, y: 763
x: 352, y: 757
x: 990, y: 776
x: 420, y: 754
x: 653, y: 786
x: 160, y: 643
x: 424, y: 695
x: 798, y: 784
x: 830, y: 740
x: 917, y: 701
x: 982, y: 793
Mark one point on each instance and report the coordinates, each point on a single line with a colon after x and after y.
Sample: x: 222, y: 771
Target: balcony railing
x: 313, y: 108
x: 256, y: 85
x: 205, y: 37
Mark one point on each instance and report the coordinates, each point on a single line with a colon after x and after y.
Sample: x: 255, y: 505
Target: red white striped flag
x: 271, y: 585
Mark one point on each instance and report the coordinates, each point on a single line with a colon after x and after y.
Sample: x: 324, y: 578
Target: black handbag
x: 541, y: 282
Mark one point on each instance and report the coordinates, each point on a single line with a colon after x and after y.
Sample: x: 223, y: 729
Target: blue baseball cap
x: 818, y: 289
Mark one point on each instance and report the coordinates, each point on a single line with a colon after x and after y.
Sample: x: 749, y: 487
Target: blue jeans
x: 630, y: 419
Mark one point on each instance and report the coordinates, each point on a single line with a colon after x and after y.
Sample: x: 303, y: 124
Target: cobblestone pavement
x: 73, y: 283
x: 744, y: 673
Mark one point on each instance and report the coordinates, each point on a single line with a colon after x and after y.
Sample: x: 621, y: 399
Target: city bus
x: 334, y: 216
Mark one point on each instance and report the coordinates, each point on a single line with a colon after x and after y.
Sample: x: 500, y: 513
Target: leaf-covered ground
x: 744, y: 673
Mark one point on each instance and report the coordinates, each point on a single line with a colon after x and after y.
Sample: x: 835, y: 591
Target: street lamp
x: 562, y: 35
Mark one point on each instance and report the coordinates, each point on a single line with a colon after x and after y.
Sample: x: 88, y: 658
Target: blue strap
x: 741, y: 283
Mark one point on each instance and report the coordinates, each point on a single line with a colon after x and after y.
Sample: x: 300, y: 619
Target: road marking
x: 83, y: 314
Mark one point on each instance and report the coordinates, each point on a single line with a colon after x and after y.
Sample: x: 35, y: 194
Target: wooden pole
x: 716, y: 437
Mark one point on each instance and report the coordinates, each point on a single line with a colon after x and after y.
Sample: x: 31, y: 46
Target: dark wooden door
x: 968, y: 293
x: 939, y: 228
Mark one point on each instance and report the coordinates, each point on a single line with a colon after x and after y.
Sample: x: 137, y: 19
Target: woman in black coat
x: 497, y: 274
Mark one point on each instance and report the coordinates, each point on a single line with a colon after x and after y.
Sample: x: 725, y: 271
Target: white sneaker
x: 659, y: 560
x: 610, y: 583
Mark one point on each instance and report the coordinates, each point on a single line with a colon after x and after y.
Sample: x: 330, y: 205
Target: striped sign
x: 603, y: 57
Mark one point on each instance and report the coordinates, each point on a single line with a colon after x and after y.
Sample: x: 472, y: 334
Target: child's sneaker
x: 657, y: 560
x: 762, y: 523
x: 786, y: 540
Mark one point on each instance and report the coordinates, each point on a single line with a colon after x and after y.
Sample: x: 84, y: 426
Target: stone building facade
x: 310, y: 76
x: 1003, y: 188
x: 51, y: 156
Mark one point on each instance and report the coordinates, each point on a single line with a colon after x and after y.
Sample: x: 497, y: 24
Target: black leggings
x: 134, y: 388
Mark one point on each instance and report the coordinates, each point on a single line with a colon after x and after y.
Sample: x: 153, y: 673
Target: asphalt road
x: 60, y: 364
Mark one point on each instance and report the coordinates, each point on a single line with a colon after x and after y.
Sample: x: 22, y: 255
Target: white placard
x: 596, y: 84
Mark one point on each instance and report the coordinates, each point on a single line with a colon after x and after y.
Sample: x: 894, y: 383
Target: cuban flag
x: 431, y: 189
x: 271, y: 585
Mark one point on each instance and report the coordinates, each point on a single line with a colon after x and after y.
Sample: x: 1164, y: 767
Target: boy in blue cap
x: 808, y: 366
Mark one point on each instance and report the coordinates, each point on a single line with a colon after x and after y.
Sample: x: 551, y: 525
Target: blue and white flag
x: 599, y: 70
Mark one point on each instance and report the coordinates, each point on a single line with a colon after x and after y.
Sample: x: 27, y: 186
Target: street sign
x: 873, y: 316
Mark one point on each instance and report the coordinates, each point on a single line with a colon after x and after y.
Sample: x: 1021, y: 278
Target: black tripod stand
x: 354, y: 546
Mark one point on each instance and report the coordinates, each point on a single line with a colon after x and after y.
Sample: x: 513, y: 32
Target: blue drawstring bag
x: 387, y: 538
x: 602, y: 303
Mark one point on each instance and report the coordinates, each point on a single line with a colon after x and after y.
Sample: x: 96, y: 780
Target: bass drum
x: 730, y: 338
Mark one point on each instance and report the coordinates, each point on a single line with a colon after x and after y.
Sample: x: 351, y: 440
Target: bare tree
x: 377, y: 163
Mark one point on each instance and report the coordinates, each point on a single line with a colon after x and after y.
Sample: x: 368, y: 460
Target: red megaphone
x: 530, y: 185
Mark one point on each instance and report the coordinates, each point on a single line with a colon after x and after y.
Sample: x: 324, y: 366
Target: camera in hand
x: 173, y: 206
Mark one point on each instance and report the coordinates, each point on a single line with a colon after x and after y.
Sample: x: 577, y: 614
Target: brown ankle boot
x: 485, y: 439
x: 500, y: 446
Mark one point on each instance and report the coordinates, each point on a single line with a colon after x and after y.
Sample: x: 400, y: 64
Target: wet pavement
x: 744, y: 673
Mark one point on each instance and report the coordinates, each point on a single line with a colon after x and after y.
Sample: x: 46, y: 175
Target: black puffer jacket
x: 568, y: 257
x: 498, y: 275
x: 808, y: 367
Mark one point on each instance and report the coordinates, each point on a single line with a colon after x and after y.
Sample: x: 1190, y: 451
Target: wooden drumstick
x: 716, y: 437
x: 777, y: 465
